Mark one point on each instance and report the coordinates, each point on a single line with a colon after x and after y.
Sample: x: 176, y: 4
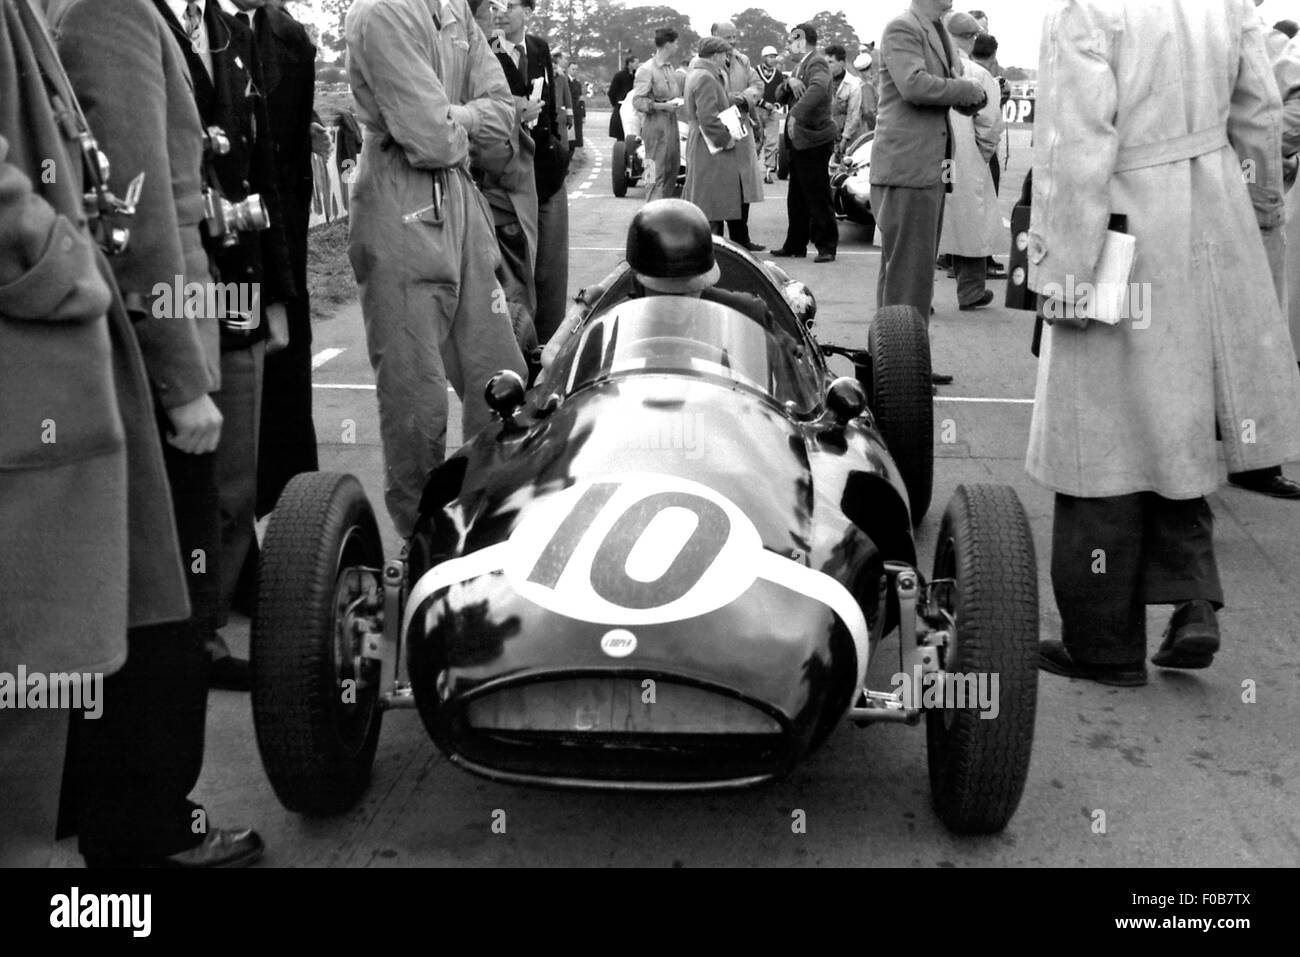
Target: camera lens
x: 249, y: 214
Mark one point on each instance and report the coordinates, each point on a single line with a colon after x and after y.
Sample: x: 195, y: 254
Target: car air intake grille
x: 606, y: 705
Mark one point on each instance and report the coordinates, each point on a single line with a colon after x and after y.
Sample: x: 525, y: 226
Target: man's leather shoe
x: 1191, y: 637
x: 996, y: 270
x: 229, y: 673
x: 940, y: 378
x: 220, y: 847
x: 769, y: 178
x: 825, y: 258
x: 753, y: 247
x: 1278, y: 486
x: 781, y: 252
x: 979, y: 303
x: 1054, y: 659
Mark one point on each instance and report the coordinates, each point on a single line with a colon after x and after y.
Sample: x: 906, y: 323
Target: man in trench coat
x: 744, y: 91
x: 972, y: 226
x: 90, y: 545
x: 1124, y: 416
x: 1285, y: 57
x: 421, y: 242
x: 714, y: 181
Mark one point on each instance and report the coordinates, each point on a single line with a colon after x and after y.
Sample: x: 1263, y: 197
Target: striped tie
x: 194, y: 20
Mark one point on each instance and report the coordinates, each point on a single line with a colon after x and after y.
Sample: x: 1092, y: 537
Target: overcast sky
x: 1016, y: 23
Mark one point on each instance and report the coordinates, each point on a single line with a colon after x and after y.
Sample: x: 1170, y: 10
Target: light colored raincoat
x: 420, y: 236
x: 972, y: 225
x: 1137, y: 106
x: 741, y: 79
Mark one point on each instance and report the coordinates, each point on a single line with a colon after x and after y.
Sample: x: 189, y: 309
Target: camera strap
x: 71, y: 120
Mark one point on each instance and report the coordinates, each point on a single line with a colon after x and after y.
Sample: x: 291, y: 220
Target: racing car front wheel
x: 618, y: 168
x: 985, y: 571
x: 901, y: 397
x: 316, y: 707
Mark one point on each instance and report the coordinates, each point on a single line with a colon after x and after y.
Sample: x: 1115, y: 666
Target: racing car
x: 851, y: 183
x: 665, y: 566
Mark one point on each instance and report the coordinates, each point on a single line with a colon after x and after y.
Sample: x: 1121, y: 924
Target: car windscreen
x: 678, y: 334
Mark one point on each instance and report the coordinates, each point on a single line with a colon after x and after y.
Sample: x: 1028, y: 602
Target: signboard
x: 1019, y: 109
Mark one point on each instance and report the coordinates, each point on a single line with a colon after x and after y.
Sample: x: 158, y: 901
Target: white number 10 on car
x: 637, y: 549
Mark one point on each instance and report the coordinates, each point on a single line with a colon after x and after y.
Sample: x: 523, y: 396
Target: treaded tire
x: 901, y: 397
x: 978, y: 766
x: 618, y: 168
x: 316, y: 750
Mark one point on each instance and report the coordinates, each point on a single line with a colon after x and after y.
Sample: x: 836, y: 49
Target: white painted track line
x: 324, y: 356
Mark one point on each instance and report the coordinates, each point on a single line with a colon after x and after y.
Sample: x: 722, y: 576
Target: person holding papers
x: 1123, y: 429
x: 714, y: 177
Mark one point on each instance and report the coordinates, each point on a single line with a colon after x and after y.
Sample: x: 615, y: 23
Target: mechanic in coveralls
x: 657, y: 93
x: 428, y: 90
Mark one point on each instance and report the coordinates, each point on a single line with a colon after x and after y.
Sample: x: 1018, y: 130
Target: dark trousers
x: 1111, y: 557
x: 909, y: 221
x: 240, y: 402
x: 577, y: 130
x: 808, y: 201
x: 738, y: 228
x: 995, y: 167
x: 32, y: 755
x: 130, y: 771
x: 971, y: 273
x: 286, y: 442
x: 551, y: 274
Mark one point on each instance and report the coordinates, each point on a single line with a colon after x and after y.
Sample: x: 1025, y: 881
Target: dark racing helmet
x: 670, y: 247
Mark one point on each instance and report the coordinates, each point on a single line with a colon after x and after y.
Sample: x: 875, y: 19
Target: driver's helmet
x: 670, y: 247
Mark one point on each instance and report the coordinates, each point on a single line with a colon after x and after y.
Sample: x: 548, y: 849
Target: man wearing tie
x: 525, y: 59
x: 287, y: 436
x: 228, y: 89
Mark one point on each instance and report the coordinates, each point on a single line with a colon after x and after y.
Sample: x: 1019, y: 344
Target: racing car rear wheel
x: 901, y: 397
x: 978, y: 763
x: 618, y: 168
x: 315, y: 696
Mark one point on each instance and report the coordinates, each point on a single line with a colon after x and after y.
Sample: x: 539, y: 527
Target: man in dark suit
x: 527, y: 60
x: 229, y: 85
x: 810, y: 133
x: 131, y: 770
x: 919, y: 81
x: 287, y: 437
x: 578, y: 95
x: 619, y: 87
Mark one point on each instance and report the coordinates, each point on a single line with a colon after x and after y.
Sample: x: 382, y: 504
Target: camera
x: 103, y: 207
x: 226, y: 220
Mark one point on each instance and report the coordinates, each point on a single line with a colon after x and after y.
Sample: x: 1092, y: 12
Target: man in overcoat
x: 744, y: 91
x: 90, y: 546
x: 1124, y: 418
x: 714, y: 178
